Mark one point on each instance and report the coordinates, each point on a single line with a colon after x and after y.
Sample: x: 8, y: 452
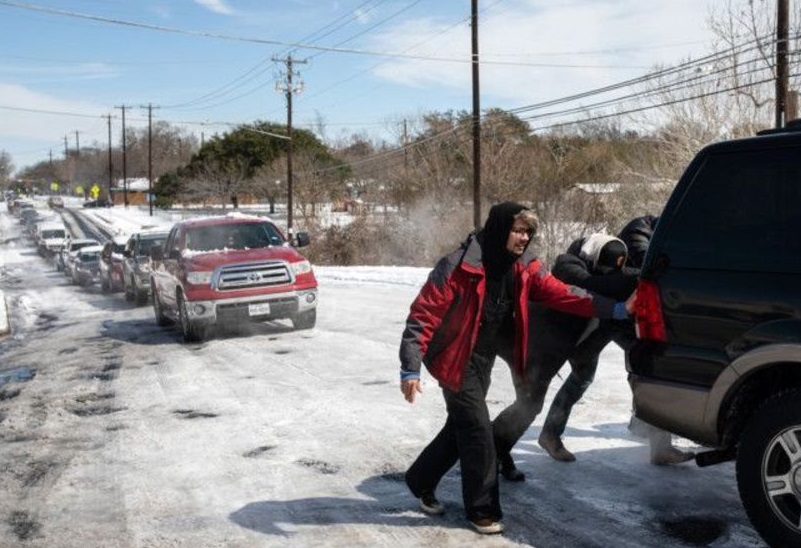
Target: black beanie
x: 610, y: 253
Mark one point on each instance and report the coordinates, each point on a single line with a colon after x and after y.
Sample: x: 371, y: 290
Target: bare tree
x: 730, y: 95
x: 312, y: 183
x: 222, y: 180
x: 6, y: 167
x: 172, y: 147
x: 269, y: 182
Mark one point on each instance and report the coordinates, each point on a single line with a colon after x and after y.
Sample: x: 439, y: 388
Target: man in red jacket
x: 473, y: 307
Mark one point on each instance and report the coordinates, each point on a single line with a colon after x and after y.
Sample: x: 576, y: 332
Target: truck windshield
x: 233, y: 236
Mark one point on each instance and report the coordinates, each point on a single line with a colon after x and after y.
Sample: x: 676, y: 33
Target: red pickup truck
x: 222, y: 271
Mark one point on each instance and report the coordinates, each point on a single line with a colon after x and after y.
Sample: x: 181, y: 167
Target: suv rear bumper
x: 281, y: 305
x: 673, y: 407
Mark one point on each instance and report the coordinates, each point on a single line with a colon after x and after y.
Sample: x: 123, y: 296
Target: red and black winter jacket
x: 443, y: 321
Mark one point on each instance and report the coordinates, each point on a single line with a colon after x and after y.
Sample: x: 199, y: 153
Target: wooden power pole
x: 476, y: 121
x: 124, y: 159
x: 289, y: 87
x: 150, y: 108
x: 782, y: 36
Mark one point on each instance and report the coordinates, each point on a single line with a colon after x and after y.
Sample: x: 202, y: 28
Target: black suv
x: 718, y: 356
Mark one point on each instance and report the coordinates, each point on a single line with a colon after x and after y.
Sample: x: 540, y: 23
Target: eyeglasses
x: 521, y: 230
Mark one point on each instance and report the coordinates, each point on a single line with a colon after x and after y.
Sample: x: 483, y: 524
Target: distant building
x: 137, y: 191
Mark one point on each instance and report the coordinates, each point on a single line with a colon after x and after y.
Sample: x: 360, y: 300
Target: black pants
x: 466, y: 438
x: 530, y: 389
x: 583, y: 364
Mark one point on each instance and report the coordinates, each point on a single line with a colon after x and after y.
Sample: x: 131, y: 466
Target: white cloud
x: 32, y: 121
x: 362, y: 16
x: 595, y: 42
x: 217, y: 6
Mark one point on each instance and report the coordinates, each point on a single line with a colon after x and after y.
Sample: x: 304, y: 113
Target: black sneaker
x: 507, y: 468
x: 430, y: 505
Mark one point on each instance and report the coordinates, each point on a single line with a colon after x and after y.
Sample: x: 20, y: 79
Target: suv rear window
x: 747, y: 204
x: 146, y: 244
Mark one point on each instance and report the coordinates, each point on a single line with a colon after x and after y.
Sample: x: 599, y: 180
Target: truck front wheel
x: 192, y: 331
x: 769, y: 469
x: 305, y: 320
x: 158, y: 310
x: 129, y: 291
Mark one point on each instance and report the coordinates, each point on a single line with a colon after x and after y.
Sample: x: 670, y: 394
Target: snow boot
x: 553, y: 445
x: 662, y: 451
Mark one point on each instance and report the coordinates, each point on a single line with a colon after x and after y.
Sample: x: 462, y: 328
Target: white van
x: 49, y: 237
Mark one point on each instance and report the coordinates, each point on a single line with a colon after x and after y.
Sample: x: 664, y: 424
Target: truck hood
x: 208, y: 261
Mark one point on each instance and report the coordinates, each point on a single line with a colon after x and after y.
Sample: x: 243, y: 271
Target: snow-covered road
x: 127, y: 437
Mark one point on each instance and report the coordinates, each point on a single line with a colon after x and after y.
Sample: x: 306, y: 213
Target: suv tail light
x: 648, y: 312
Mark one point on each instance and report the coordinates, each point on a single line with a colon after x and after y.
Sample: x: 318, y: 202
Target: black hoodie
x: 497, y: 260
x: 494, y: 236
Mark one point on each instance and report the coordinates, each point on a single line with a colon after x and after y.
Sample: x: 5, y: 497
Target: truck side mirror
x: 156, y: 253
x: 302, y: 239
x: 175, y: 254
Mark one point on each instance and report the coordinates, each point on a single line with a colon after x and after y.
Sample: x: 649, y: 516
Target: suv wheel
x: 305, y: 320
x: 191, y: 331
x: 769, y: 469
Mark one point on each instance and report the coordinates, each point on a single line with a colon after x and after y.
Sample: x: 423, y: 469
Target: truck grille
x: 249, y: 275
x: 237, y: 312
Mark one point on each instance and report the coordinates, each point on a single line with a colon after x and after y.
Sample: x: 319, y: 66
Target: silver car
x: 86, y: 267
x: 136, y: 264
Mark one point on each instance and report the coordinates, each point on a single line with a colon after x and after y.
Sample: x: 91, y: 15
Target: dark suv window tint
x: 146, y: 244
x: 741, y: 213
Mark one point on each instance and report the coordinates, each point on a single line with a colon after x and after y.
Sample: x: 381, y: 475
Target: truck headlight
x: 198, y: 278
x: 302, y: 267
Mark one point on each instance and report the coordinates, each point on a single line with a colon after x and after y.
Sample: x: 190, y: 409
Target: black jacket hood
x: 494, y: 235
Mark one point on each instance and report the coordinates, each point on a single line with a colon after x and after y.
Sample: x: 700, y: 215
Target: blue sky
x: 369, y: 64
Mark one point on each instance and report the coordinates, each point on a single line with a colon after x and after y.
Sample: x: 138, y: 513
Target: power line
x: 516, y: 111
x: 294, y: 45
x: 693, y: 63
x: 664, y: 104
x: 337, y: 24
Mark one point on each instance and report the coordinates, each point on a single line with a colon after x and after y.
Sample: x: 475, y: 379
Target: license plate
x: 259, y: 309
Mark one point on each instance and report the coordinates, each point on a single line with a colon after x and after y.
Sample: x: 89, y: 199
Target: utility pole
x: 149, y: 108
x: 289, y: 87
x: 67, y: 162
x: 124, y: 164
x: 110, y: 164
x: 791, y: 110
x: 476, y: 121
x: 782, y: 36
x: 405, y: 148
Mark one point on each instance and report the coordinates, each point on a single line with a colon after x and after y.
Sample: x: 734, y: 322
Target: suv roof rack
x: 790, y: 127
